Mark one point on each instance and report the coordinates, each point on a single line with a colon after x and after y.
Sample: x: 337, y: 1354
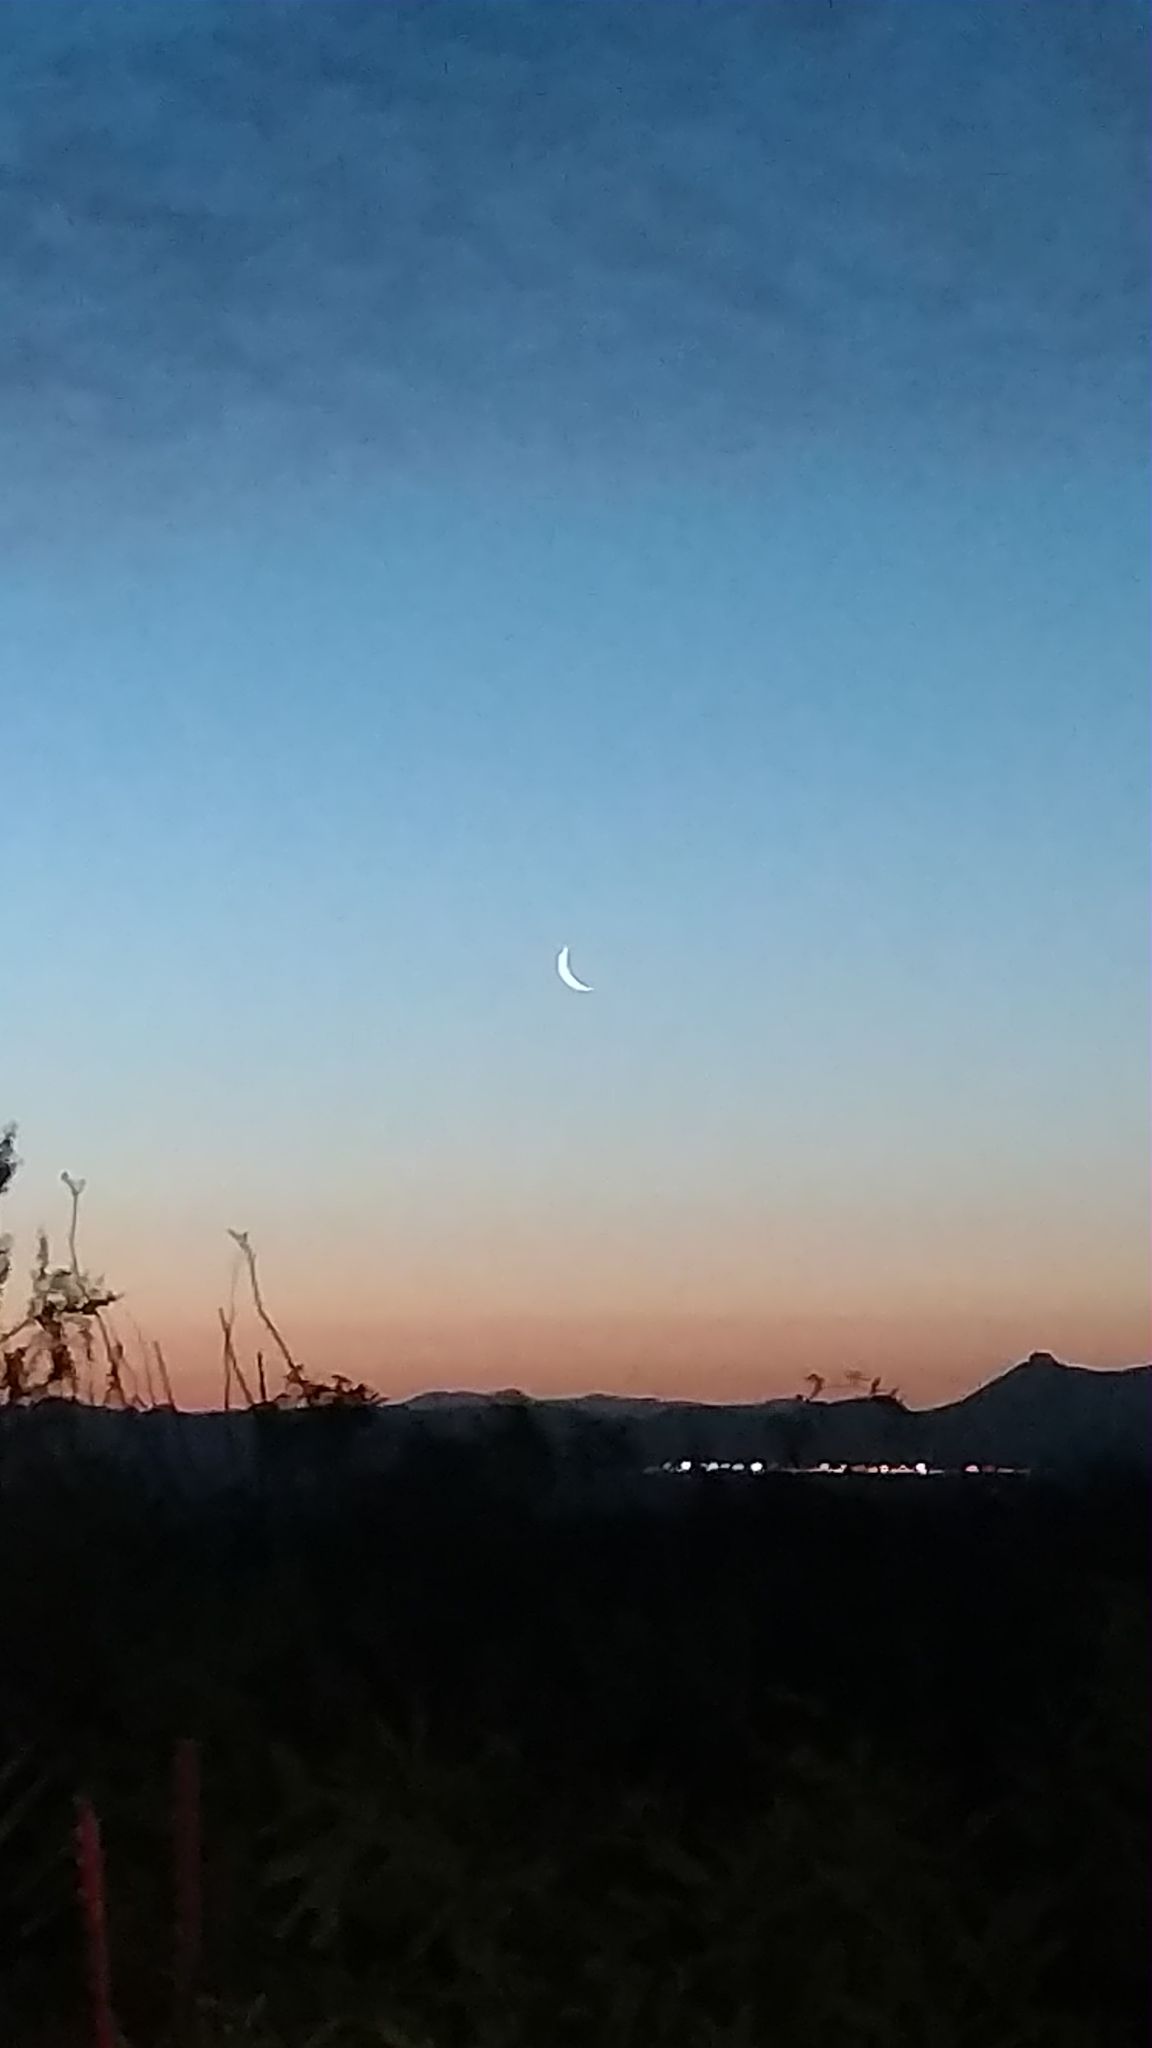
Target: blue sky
x: 667, y: 480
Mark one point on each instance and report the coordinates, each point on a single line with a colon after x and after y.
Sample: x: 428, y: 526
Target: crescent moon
x: 566, y: 974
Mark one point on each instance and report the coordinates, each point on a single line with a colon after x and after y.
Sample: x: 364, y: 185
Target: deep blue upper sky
x: 667, y: 478
x: 678, y: 235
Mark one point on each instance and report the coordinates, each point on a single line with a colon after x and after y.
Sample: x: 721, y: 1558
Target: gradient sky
x: 668, y: 479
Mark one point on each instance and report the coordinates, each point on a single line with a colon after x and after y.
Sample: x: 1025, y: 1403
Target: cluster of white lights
x: 919, y: 1470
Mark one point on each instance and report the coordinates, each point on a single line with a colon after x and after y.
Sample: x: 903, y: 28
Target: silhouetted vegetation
x: 759, y: 1768
x: 723, y: 1769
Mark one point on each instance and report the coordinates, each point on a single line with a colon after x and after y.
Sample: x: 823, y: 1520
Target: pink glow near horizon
x: 706, y: 1359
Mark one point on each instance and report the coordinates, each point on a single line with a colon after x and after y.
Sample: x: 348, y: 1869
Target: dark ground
x: 774, y: 1765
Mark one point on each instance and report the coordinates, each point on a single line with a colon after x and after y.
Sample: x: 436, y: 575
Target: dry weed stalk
x: 295, y: 1373
x: 231, y: 1362
x: 114, y: 1389
x: 162, y: 1369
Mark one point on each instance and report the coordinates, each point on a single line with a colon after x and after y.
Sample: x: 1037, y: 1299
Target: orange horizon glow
x: 698, y: 1358
x: 705, y: 1301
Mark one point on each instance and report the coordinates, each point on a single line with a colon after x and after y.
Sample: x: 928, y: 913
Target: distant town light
x: 922, y: 1469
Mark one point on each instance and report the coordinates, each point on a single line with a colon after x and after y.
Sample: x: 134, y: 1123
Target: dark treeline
x: 749, y: 1766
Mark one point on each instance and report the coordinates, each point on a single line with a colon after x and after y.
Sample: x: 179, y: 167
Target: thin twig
x: 232, y: 1363
x: 148, y: 1380
x: 75, y: 1189
x: 117, y: 1363
x: 162, y: 1369
x: 295, y: 1374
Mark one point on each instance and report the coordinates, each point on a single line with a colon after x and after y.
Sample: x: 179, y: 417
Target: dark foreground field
x: 757, y: 1769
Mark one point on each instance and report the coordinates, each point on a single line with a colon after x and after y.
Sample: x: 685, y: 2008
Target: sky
x: 666, y: 479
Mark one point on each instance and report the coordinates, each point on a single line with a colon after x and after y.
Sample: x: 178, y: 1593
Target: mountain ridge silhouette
x: 1040, y: 1415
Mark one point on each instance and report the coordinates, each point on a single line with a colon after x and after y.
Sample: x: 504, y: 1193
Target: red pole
x: 90, y: 1870
x: 186, y: 1858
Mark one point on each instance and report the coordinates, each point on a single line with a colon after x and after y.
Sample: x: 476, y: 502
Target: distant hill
x: 1048, y: 1415
x: 1040, y: 1415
